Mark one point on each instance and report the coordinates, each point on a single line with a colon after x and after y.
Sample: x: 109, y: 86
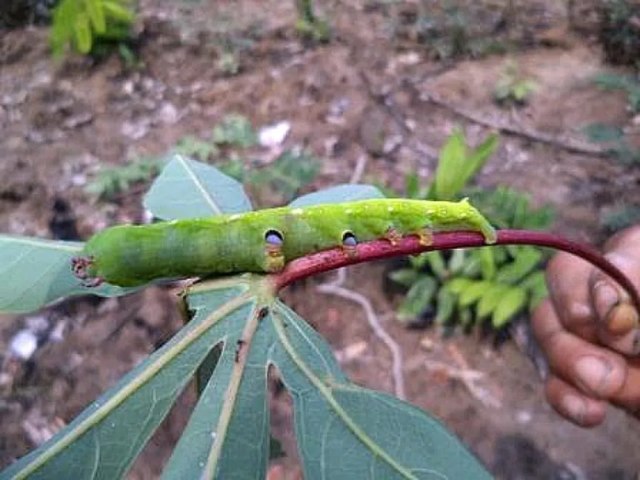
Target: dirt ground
x: 373, y: 94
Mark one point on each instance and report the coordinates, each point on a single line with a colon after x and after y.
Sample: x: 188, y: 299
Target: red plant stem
x: 378, y: 249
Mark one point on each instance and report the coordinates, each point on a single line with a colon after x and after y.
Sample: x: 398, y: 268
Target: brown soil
x: 363, y: 94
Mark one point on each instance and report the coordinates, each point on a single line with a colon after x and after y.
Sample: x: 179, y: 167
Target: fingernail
x: 574, y: 407
x: 622, y: 319
x: 593, y: 373
x: 605, y: 297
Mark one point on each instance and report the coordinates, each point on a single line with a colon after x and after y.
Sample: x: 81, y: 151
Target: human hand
x: 590, y: 334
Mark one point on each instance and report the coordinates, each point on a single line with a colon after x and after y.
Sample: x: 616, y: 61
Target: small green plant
x: 309, y: 25
x: 288, y: 173
x: 113, y: 181
x: 195, y: 147
x: 620, y: 31
x: 86, y: 24
x: 234, y: 131
x: 626, y: 83
x: 620, y: 218
x: 449, y: 29
x: 280, y: 180
x: 612, y: 136
x: 512, y: 88
x: 469, y: 287
x: 229, y: 63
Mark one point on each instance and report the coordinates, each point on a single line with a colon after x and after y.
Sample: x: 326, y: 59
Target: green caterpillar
x: 264, y: 240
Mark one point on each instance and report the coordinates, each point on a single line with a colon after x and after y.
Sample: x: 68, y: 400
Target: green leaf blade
x: 418, y: 298
x: 96, y: 15
x: 190, y: 189
x: 99, y: 444
x: 340, y: 193
x: 82, y: 31
x: 117, y: 12
x: 449, y: 181
x: 346, y: 432
x: 511, y: 303
x: 40, y: 273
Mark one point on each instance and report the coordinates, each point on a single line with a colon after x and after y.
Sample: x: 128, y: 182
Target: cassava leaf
x: 190, y: 189
x: 412, y: 185
x: 457, y: 260
x: 62, y: 28
x: 254, y: 333
x: 473, y: 293
x: 472, y: 266
x: 436, y: 263
x: 449, y: 175
x: 418, y: 298
x: 96, y: 15
x: 418, y: 262
x: 490, y: 299
x: 117, y: 12
x: 487, y: 262
x: 527, y: 258
x: 404, y: 276
x: 465, y: 317
x: 512, y: 302
x: 446, y: 305
x: 459, y: 284
x: 338, y: 194
x: 83, y: 37
x: 40, y: 273
x: 457, y: 166
x: 481, y: 154
x: 536, y: 285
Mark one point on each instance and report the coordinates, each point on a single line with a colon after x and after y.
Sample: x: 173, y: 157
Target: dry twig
x: 470, y: 378
x: 335, y: 288
x: 560, y: 141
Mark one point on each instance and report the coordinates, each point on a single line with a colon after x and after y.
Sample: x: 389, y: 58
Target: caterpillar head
x: 80, y: 267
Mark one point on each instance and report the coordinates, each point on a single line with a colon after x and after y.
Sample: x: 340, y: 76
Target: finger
x: 595, y: 371
x: 573, y: 404
x: 617, y: 319
x: 569, y: 291
x: 626, y: 240
x: 628, y: 397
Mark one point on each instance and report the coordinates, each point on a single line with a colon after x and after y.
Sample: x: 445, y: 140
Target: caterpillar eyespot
x: 274, y: 238
x: 349, y: 240
x: 262, y: 241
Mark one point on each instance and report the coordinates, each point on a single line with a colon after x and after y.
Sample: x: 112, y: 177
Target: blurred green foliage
x: 277, y: 182
x: 626, y: 83
x: 309, y: 25
x: 470, y: 286
x: 612, y: 136
x: 113, y: 181
x: 620, y: 31
x: 512, y: 87
x: 87, y: 24
x: 17, y: 13
x: 620, y: 218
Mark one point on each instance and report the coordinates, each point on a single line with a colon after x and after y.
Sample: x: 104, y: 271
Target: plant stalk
x: 379, y: 249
